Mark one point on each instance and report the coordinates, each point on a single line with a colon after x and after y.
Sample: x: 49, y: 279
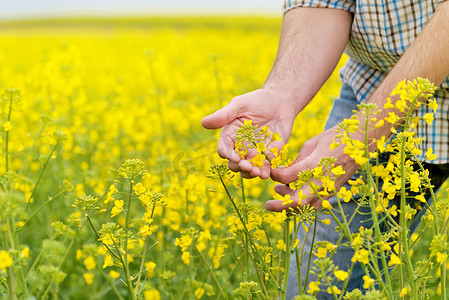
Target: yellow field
x: 114, y: 90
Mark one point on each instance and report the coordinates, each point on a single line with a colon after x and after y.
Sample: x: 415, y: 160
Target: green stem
x: 310, y: 253
x: 378, y: 239
x: 51, y: 199
x: 7, y: 135
x: 246, y: 219
x: 287, y: 258
x: 9, y: 273
x: 443, y: 280
x: 126, y: 269
x: 30, y: 151
x: 47, y: 290
x: 125, y: 243
x: 237, y: 259
x: 249, y: 236
x: 211, y: 272
x: 259, y: 276
x: 40, y: 175
x: 142, y: 262
x: 404, y: 250
x: 116, y: 256
x: 298, y: 260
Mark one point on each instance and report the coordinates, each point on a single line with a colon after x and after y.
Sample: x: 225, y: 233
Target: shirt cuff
x: 346, y: 5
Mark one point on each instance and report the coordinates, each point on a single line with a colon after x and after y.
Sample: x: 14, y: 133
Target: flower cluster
x: 248, y: 137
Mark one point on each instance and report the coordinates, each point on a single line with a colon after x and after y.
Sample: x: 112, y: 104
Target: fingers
x: 249, y: 171
x: 289, y: 174
x: 226, y: 146
x: 276, y: 205
x: 282, y: 189
x: 286, y: 174
x: 223, y: 116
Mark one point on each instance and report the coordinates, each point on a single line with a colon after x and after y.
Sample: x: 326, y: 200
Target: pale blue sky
x: 37, y: 8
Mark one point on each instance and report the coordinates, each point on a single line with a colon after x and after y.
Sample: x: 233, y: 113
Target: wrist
x: 290, y: 98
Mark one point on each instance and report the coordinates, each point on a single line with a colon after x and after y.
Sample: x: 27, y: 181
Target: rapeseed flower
x: 5, y: 260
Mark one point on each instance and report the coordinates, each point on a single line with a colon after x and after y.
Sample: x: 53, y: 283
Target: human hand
x: 310, y: 155
x: 265, y: 108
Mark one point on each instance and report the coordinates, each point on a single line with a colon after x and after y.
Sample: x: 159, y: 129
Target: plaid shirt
x: 381, y: 31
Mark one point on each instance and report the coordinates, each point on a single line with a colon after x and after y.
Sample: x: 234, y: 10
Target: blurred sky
x: 60, y: 8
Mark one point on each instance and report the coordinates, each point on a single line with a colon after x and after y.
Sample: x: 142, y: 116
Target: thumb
x: 303, y: 161
x: 222, y: 117
x: 290, y: 174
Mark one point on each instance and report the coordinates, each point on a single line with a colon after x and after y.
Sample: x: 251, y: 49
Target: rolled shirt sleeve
x: 347, y: 5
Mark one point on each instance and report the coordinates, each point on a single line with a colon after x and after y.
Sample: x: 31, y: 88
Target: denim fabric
x: 342, y: 108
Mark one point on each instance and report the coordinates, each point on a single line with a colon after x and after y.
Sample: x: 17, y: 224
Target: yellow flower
x: 360, y: 160
x: 321, y: 252
x: 89, y: 278
x: 276, y: 162
x: 367, y: 281
x: 341, y: 275
x: 314, y: 287
x: 258, y: 160
x: 261, y: 147
x: 5, y: 260
x: 379, y: 124
x: 441, y: 257
x: 388, y: 104
x: 403, y: 292
x: 281, y: 245
x: 392, y: 118
x: 150, y: 266
x: 317, y: 171
x: 199, y: 292
x: 108, y: 261
x: 421, y: 198
x: 326, y: 221
x: 186, y: 257
x: 430, y: 155
x: 276, y: 137
x: 145, y: 231
x: 344, y: 194
x: 184, y: 242
x: 338, y: 171
x: 401, y: 105
x: 326, y: 205
x: 428, y: 118
x: 7, y: 126
x: 361, y: 255
x: 286, y: 199
x: 118, y: 208
x: 89, y: 263
x: 79, y: 254
x: 333, y: 290
x: 25, y: 253
x: 139, y: 188
x: 114, y: 274
x: 152, y: 295
x: 394, y: 260
x: 433, y: 104
x: 352, y: 124
x: 334, y: 145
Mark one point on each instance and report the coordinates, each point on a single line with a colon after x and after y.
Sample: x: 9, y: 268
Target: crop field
x: 106, y: 191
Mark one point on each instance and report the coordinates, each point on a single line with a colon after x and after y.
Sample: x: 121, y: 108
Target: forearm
x: 427, y: 57
x: 311, y: 44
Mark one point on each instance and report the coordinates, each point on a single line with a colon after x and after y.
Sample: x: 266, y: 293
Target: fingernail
x: 268, y: 206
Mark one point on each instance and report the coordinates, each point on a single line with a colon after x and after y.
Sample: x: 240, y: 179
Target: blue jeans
x: 342, y: 108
